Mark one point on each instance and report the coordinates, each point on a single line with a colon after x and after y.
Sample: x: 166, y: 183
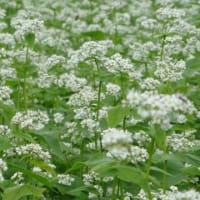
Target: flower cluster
x: 3, y: 167
x: 118, y: 144
x: 172, y: 194
x: 65, y: 179
x: 161, y: 109
x: 5, y: 95
x: 182, y: 141
x: 5, y: 130
x: 100, y: 99
x: 34, y: 150
x: 34, y: 120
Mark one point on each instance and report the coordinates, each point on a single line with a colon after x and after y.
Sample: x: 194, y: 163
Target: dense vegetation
x: 99, y: 99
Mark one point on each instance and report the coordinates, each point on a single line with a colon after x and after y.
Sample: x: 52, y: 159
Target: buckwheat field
x: 99, y: 100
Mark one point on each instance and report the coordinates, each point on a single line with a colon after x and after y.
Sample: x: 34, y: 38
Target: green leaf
x: 157, y: 169
x: 159, y: 135
x: 52, y: 140
x: 41, y: 179
x: 76, y: 166
x: 7, y: 112
x: 4, y: 143
x: 43, y: 165
x: 17, y: 192
x: 133, y: 175
x: 30, y: 39
x: 103, y: 165
x: 77, y: 191
x: 109, y: 167
x: 191, y: 170
x: 116, y: 115
x: 99, y: 160
x: 95, y: 35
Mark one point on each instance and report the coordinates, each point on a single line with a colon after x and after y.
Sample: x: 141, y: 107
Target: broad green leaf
x: 97, y: 161
x: 116, y: 115
x: 103, y: 165
x: 132, y: 174
x: 159, y: 135
x: 191, y: 171
x: 52, y: 140
x: 17, y: 192
x: 80, y: 192
x: 76, y: 166
x: 4, y: 143
x: 157, y: 169
x: 41, y: 179
x: 42, y: 165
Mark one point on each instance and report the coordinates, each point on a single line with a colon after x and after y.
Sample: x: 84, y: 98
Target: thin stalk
x: 1, y: 117
x: 121, y: 190
x: 114, y: 189
x: 153, y: 6
x: 164, y: 184
x: 25, y: 96
x: 149, y: 163
x: 81, y: 156
x: 56, y: 101
x: 118, y: 188
x: 98, y: 108
x: 165, y: 177
x: 122, y: 84
x: 124, y: 123
x: 162, y: 48
x: 99, y: 100
x: 146, y: 70
x: 18, y: 95
x: 25, y: 92
x: 94, y: 80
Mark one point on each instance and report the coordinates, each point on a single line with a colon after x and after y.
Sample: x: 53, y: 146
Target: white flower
x: 34, y: 150
x: 5, y: 95
x: 118, y: 143
x: 72, y: 82
x: 34, y: 120
x: 17, y: 177
x: 83, y: 97
x: 160, y: 108
x: 168, y: 71
x: 113, y: 89
x: 117, y: 64
x: 4, y: 130
x: 167, y: 13
x: 58, y: 117
x: 65, y: 179
x: 182, y: 141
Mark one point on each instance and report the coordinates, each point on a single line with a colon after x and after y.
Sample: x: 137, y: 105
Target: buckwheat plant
x: 99, y: 100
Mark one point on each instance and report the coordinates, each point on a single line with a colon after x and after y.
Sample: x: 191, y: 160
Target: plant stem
x: 25, y: 92
x: 121, y: 190
x: 25, y: 81
x: 114, y: 188
x: 150, y: 158
x: 99, y: 100
x: 122, y: 85
x: 124, y: 123
x: 162, y: 48
x: 98, y: 108
x: 148, y: 168
x: 165, y: 167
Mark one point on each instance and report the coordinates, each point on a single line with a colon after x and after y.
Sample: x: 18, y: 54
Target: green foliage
x: 117, y: 115
x: 135, y: 74
x: 17, y: 192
